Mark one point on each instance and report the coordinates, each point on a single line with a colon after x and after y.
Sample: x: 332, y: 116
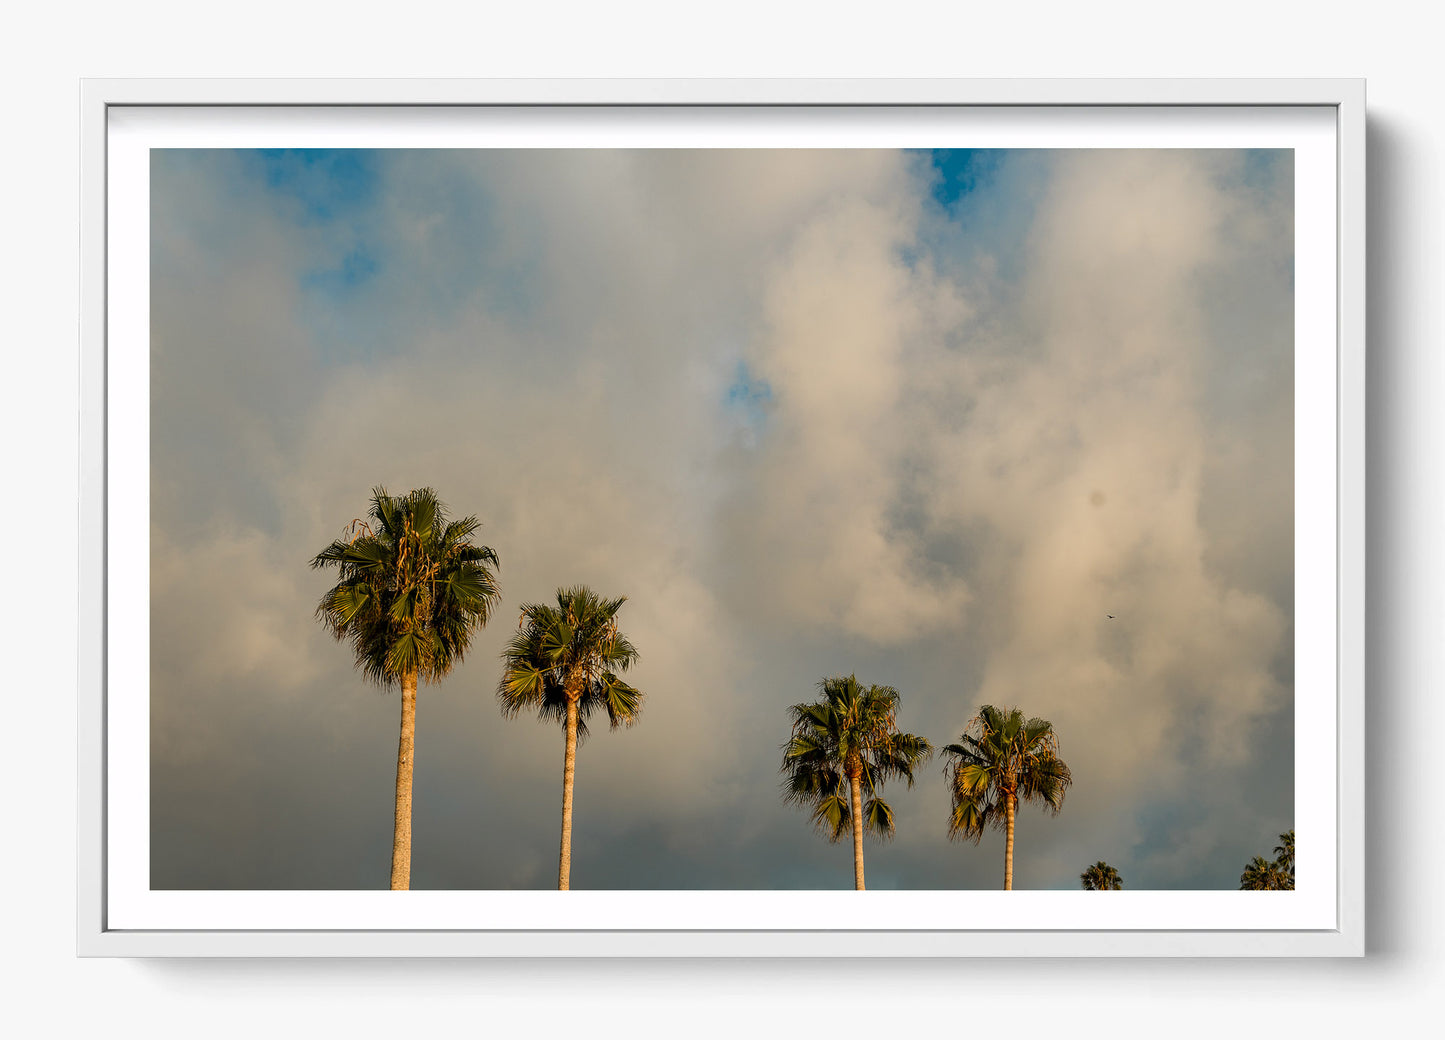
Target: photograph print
x: 722, y: 519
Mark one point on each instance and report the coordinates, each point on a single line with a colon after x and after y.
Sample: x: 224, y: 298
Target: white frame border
x: 1346, y: 96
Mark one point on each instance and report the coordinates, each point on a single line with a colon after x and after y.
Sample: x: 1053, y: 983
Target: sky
x: 923, y: 417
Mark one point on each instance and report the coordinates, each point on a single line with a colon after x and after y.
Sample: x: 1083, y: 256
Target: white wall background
x: 48, y: 48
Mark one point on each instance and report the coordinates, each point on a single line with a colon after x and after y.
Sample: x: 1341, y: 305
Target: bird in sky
x: 1109, y: 616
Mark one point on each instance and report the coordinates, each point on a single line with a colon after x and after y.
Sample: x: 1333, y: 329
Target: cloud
x: 843, y: 315
x: 964, y: 437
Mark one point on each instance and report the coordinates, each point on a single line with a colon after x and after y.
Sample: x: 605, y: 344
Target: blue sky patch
x: 962, y: 171
x: 1260, y: 165
x: 749, y: 397
x: 327, y: 182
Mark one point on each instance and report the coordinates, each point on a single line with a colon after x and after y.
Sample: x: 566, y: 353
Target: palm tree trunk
x: 569, y: 771
x: 405, y: 762
x: 1008, y: 849
x: 857, y: 834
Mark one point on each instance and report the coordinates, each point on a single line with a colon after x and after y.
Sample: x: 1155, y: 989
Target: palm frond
x: 832, y: 816
x: 623, y: 702
x: 969, y: 818
x: 878, y: 818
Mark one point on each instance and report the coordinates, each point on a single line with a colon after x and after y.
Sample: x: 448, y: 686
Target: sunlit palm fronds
x: 1101, y: 878
x: 1261, y: 875
x: 412, y: 588
x: 1277, y: 875
x: 570, y: 650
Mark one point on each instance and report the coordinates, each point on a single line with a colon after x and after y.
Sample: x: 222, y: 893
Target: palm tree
x: 564, y: 661
x: 1101, y: 878
x: 411, y: 592
x: 842, y: 744
x: 1260, y: 875
x: 1001, y: 758
x: 1284, y: 854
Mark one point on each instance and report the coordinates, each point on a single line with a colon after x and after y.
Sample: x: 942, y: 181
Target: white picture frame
x: 1334, y: 925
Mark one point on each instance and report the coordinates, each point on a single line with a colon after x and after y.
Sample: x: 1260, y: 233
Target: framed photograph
x: 909, y: 508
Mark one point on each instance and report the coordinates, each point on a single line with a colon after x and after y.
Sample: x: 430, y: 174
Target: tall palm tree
x: 1101, y: 878
x: 1001, y: 758
x: 564, y: 661
x: 843, y: 744
x: 411, y: 592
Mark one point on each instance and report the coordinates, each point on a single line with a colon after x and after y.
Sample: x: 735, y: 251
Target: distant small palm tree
x: 412, y: 591
x: 1101, y: 878
x: 845, y: 744
x: 1260, y: 875
x: 1284, y: 854
x: 1277, y: 875
x: 1001, y: 758
x: 564, y: 661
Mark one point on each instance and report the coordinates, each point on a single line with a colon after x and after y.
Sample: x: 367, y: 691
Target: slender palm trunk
x: 857, y: 834
x: 569, y: 771
x: 405, y: 762
x: 1010, y: 806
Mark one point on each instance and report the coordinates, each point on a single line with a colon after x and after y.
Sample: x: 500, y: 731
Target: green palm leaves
x: 1002, y: 758
x: 411, y: 591
x: 1277, y: 875
x: 1284, y: 854
x: 570, y: 653
x: 842, y: 745
x: 412, y: 587
x: 564, y: 662
x: 1101, y: 878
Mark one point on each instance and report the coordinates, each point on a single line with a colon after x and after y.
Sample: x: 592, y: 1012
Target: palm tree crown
x: 412, y: 587
x: 1101, y: 878
x: 1002, y: 758
x: 1260, y: 875
x: 842, y: 745
x: 570, y: 652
